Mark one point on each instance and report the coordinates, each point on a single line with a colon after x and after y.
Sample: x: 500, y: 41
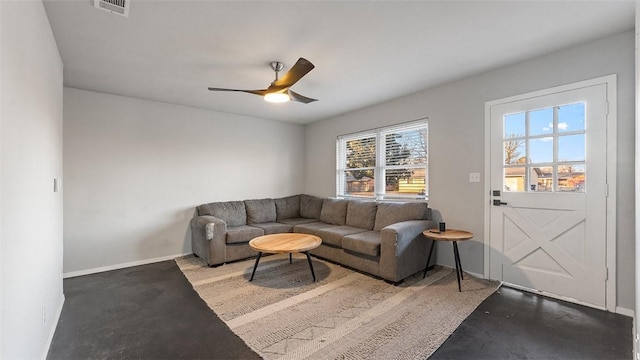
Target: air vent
x: 120, y: 7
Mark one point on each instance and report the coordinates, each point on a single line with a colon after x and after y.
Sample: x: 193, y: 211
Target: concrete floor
x: 142, y: 312
x: 151, y: 312
x: 513, y: 324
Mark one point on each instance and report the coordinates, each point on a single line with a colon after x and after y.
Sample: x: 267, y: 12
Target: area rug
x: 283, y: 314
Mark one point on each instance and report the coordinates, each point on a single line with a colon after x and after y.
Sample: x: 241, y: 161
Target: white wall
x: 136, y: 169
x: 31, y: 213
x: 456, y: 136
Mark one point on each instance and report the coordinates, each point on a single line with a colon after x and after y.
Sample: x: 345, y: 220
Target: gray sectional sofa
x: 380, y: 238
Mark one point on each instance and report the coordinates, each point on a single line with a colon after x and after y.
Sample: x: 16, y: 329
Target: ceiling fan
x: 279, y: 90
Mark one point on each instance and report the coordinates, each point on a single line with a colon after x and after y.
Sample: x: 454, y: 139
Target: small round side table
x: 449, y: 235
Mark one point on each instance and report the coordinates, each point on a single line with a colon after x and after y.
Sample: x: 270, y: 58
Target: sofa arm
x: 403, y: 249
x: 208, y: 235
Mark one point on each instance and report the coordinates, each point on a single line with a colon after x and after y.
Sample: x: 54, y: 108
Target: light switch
x: 474, y: 177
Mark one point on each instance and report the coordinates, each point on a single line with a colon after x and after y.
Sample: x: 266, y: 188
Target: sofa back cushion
x: 391, y: 213
x: 231, y: 212
x: 361, y: 214
x: 288, y: 207
x: 310, y: 206
x: 334, y: 211
x: 260, y: 211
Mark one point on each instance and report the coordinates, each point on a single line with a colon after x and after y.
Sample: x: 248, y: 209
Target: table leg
x: 311, y: 266
x: 455, y: 244
x: 255, y: 266
x: 290, y: 258
x: 455, y: 259
x: 433, y: 243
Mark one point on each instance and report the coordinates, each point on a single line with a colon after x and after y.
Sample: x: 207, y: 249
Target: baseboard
x: 53, y: 329
x: 625, y: 312
x: 121, y: 266
x: 474, y: 274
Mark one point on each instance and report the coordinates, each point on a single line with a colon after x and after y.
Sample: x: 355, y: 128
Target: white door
x: 548, y: 172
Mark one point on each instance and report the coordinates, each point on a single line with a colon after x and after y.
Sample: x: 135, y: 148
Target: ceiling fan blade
x: 300, y: 98
x: 297, y: 71
x: 256, y: 92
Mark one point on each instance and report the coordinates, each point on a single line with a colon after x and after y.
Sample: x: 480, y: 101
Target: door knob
x: 498, y: 203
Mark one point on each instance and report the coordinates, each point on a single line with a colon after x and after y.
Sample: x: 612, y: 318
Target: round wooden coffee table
x: 285, y: 243
x: 449, y: 235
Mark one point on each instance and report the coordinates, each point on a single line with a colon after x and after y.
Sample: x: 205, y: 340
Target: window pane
x: 514, y: 152
x: 514, y: 179
x: 571, y: 178
x: 359, y: 183
x: 571, y: 148
x: 541, y: 150
x: 571, y: 117
x: 406, y: 147
x: 514, y: 125
x: 541, y: 122
x: 405, y: 181
x: 541, y: 179
x: 361, y: 153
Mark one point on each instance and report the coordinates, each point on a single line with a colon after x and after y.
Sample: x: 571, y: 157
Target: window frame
x: 380, y: 168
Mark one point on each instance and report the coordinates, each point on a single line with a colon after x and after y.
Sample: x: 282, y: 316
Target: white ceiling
x: 365, y: 52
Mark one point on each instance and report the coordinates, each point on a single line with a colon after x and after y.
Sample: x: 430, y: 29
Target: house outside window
x: 384, y: 163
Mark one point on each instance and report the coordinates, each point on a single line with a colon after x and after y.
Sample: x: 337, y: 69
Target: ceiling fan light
x: 277, y: 97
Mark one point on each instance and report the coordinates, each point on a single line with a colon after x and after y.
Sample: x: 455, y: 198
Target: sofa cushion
x: 260, y: 211
x: 274, y: 227
x: 333, y: 235
x: 367, y: 243
x: 311, y: 228
x: 334, y: 211
x: 297, y: 221
x: 287, y: 207
x: 231, y: 212
x: 242, y: 234
x: 361, y: 214
x: 391, y: 213
x: 310, y: 206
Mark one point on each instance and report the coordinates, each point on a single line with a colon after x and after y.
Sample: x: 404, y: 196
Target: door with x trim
x: 548, y: 183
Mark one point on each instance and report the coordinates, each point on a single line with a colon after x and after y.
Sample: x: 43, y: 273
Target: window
x: 544, y: 150
x: 388, y: 162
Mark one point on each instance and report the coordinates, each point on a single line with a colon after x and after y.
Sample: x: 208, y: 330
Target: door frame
x: 610, y: 258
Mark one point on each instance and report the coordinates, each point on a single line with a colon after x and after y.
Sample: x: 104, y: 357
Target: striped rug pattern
x: 282, y: 314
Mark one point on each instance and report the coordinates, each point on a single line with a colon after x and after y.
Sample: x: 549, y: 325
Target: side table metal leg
x: 255, y: 266
x: 455, y: 259
x: 290, y: 258
x: 455, y: 244
x: 433, y: 243
x: 311, y: 266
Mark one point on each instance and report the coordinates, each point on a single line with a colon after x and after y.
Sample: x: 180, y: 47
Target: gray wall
x: 456, y: 139
x: 135, y: 170
x: 31, y: 157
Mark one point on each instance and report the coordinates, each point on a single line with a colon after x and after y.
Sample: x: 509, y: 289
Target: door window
x: 544, y: 150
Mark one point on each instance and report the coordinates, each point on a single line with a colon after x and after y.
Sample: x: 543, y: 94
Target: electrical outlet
x: 474, y: 177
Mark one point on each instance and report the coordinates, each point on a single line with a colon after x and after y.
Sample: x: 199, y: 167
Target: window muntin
x: 384, y: 163
x: 550, y: 154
